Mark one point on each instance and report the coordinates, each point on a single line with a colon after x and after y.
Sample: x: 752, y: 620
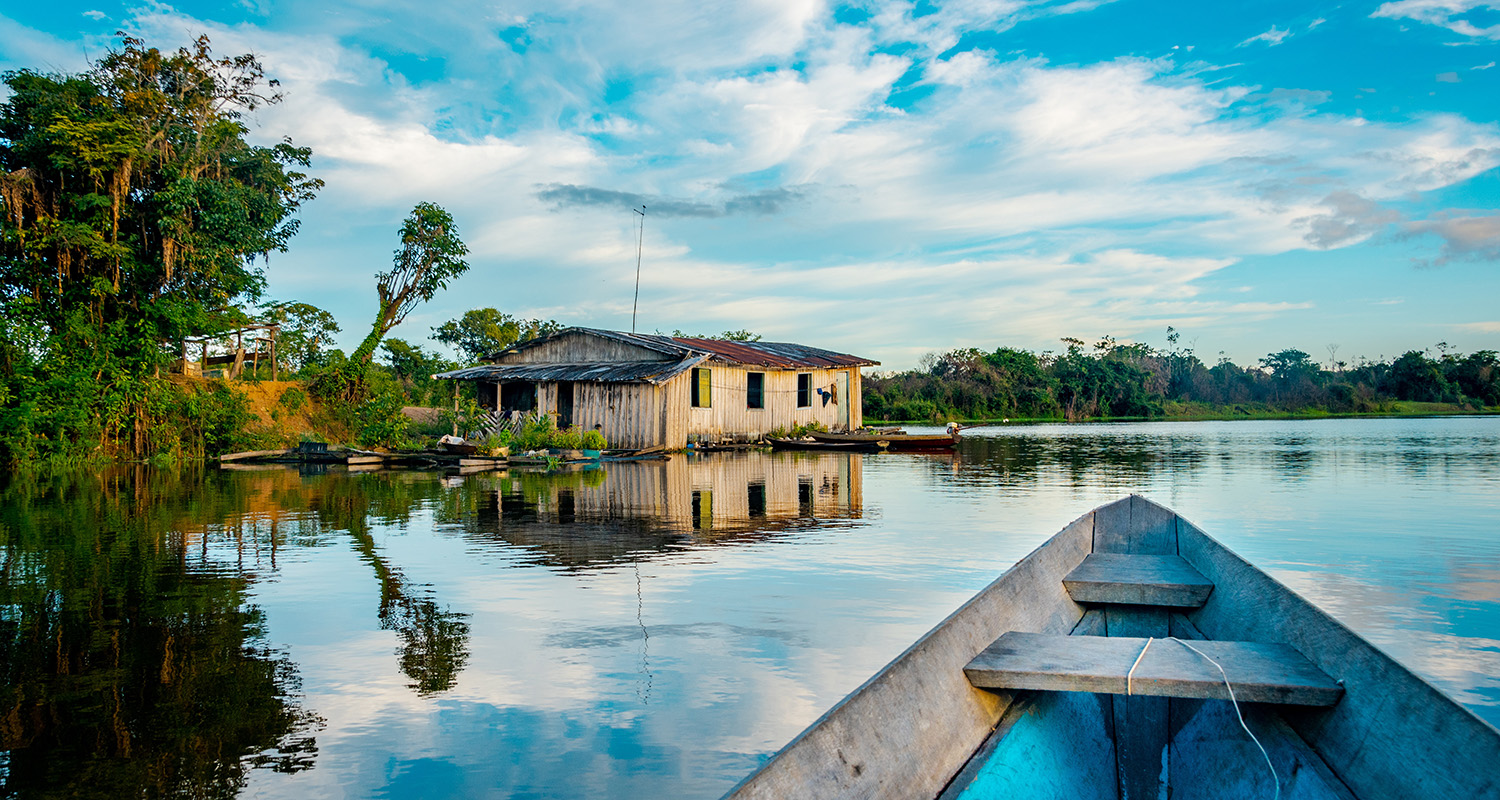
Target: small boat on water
x: 838, y: 447
x: 896, y: 442
x: 1132, y: 656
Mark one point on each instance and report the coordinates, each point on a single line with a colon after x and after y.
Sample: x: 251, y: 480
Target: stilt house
x: 644, y: 390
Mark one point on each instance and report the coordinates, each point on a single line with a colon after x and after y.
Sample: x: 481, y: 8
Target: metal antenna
x: 636, y: 304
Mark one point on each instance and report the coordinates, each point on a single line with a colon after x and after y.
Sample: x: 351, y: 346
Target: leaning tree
x: 431, y: 254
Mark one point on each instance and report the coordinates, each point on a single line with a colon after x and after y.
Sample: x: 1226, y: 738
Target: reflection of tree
x: 434, y: 640
x: 126, y: 669
x: 434, y: 645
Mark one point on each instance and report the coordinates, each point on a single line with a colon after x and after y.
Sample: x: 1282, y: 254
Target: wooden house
x: 644, y: 390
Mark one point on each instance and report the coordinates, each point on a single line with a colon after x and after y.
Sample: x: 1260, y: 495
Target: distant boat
x: 846, y: 447
x: 897, y: 442
x: 1092, y: 669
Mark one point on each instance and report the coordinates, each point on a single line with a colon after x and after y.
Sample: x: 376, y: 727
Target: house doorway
x: 564, y: 405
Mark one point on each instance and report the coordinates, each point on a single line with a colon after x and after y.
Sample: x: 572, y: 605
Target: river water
x: 648, y: 629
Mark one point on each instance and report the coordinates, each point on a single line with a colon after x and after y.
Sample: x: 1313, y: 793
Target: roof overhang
x: 652, y: 372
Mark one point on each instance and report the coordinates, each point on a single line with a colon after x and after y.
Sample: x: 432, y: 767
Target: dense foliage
x: 133, y: 212
x: 1136, y: 380
x: 483, y: 331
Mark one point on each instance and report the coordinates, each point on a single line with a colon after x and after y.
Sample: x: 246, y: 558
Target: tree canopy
x: 133, y: 211
x: 482, y: 331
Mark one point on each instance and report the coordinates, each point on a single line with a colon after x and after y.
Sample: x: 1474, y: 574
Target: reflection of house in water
x: 629, y: 509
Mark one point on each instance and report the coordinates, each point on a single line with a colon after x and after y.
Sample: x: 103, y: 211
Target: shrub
x: 293, y: 399
x: 594, y: 440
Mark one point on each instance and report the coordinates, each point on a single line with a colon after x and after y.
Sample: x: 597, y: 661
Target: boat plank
x: 1259, y: 672
x: 1138, y: 580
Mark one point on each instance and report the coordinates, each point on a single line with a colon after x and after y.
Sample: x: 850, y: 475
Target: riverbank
x: 1192, y: 412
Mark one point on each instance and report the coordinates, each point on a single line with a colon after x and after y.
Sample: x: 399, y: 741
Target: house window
x: 702, y: 387
x: 804, y: 389
x: 755, y: 390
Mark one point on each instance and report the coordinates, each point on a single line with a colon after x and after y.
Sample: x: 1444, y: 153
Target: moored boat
x: 1131, y: 655
x: 812, y: 444
x: 895, y: 442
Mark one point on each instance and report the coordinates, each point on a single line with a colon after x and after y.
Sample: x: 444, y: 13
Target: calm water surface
x: 648, y: 629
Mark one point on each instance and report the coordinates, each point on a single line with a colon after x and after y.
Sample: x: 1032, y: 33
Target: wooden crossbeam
x: 1138, y: 580
x: 1259, y: 672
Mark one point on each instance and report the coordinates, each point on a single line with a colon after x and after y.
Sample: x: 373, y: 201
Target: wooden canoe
x: 845, y: 447
x: 896, y: 442
x: 1084, y: 672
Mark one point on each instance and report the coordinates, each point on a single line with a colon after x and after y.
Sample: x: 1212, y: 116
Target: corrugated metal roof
x: 763, y: 354
x: 776, y: 354
x: 608, y: 372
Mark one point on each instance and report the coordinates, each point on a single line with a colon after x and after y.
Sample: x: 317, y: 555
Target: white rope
x: 1275, y: 779
x: 1129, y: 676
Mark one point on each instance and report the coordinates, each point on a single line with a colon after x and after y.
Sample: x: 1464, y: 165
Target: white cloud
x: 1479, y: 327
x: 1272, y: 37
x: 1014, y: 200
x: 1443, y: 13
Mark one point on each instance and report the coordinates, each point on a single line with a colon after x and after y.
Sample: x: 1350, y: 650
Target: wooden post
x: 274, y: 330
x: 455, y: 408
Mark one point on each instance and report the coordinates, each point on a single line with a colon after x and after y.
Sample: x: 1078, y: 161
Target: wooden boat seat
x: 1260, y: 673
x: 1138, y: 580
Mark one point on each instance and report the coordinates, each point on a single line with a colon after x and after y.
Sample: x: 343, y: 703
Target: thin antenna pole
x: 638, y: 242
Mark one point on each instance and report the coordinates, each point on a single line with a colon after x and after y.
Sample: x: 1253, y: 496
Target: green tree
x: 133, y: 214
x: 482, y: 331
x: 431, y: 254
x: 305, y: 329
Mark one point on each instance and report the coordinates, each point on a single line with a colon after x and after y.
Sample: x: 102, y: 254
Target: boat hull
x: 837, y: 447
x: 902, y: 442
x: 918, y: 728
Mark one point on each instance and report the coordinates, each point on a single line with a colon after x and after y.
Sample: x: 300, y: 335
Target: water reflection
x: 132, y: 664
x: 645, y: 629
x: 630, y: 510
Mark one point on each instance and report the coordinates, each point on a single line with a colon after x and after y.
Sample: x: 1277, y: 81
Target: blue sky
x: 888, y: 178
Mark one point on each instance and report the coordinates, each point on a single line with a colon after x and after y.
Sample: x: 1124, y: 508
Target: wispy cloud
x: 1017, y: 200
x: 1465, y: 238
x: 1443, y: 13
x: 769, y: 201
x: 1272, y: 37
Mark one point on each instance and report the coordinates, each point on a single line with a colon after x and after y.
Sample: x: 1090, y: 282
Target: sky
x: 888, y: 179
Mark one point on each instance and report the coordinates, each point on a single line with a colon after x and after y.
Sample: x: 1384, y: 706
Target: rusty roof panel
x: 776, y: 354
x: 608, y: 372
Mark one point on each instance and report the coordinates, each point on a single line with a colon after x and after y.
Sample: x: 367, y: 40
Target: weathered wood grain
x: 1135, y: 525
x: 1259, y: 672
x: 1152, y: 580
x: 253, y: 454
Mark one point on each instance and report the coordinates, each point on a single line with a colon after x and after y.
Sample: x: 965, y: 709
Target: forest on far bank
x: 1116, y: 380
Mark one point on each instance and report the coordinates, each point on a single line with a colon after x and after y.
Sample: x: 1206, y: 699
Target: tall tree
x: 131, y: 196
x: 431, y: 254
x: 132, y: 214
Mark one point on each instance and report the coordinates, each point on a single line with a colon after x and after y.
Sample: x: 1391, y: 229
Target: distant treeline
x: 1136, y: 380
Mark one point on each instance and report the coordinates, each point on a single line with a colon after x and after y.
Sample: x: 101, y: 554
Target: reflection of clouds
x: 616, y: 635
x: 1464, y: 667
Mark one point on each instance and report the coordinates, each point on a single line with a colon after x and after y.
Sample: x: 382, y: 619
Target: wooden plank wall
x: 728, y: 418
x: 578, y: 348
